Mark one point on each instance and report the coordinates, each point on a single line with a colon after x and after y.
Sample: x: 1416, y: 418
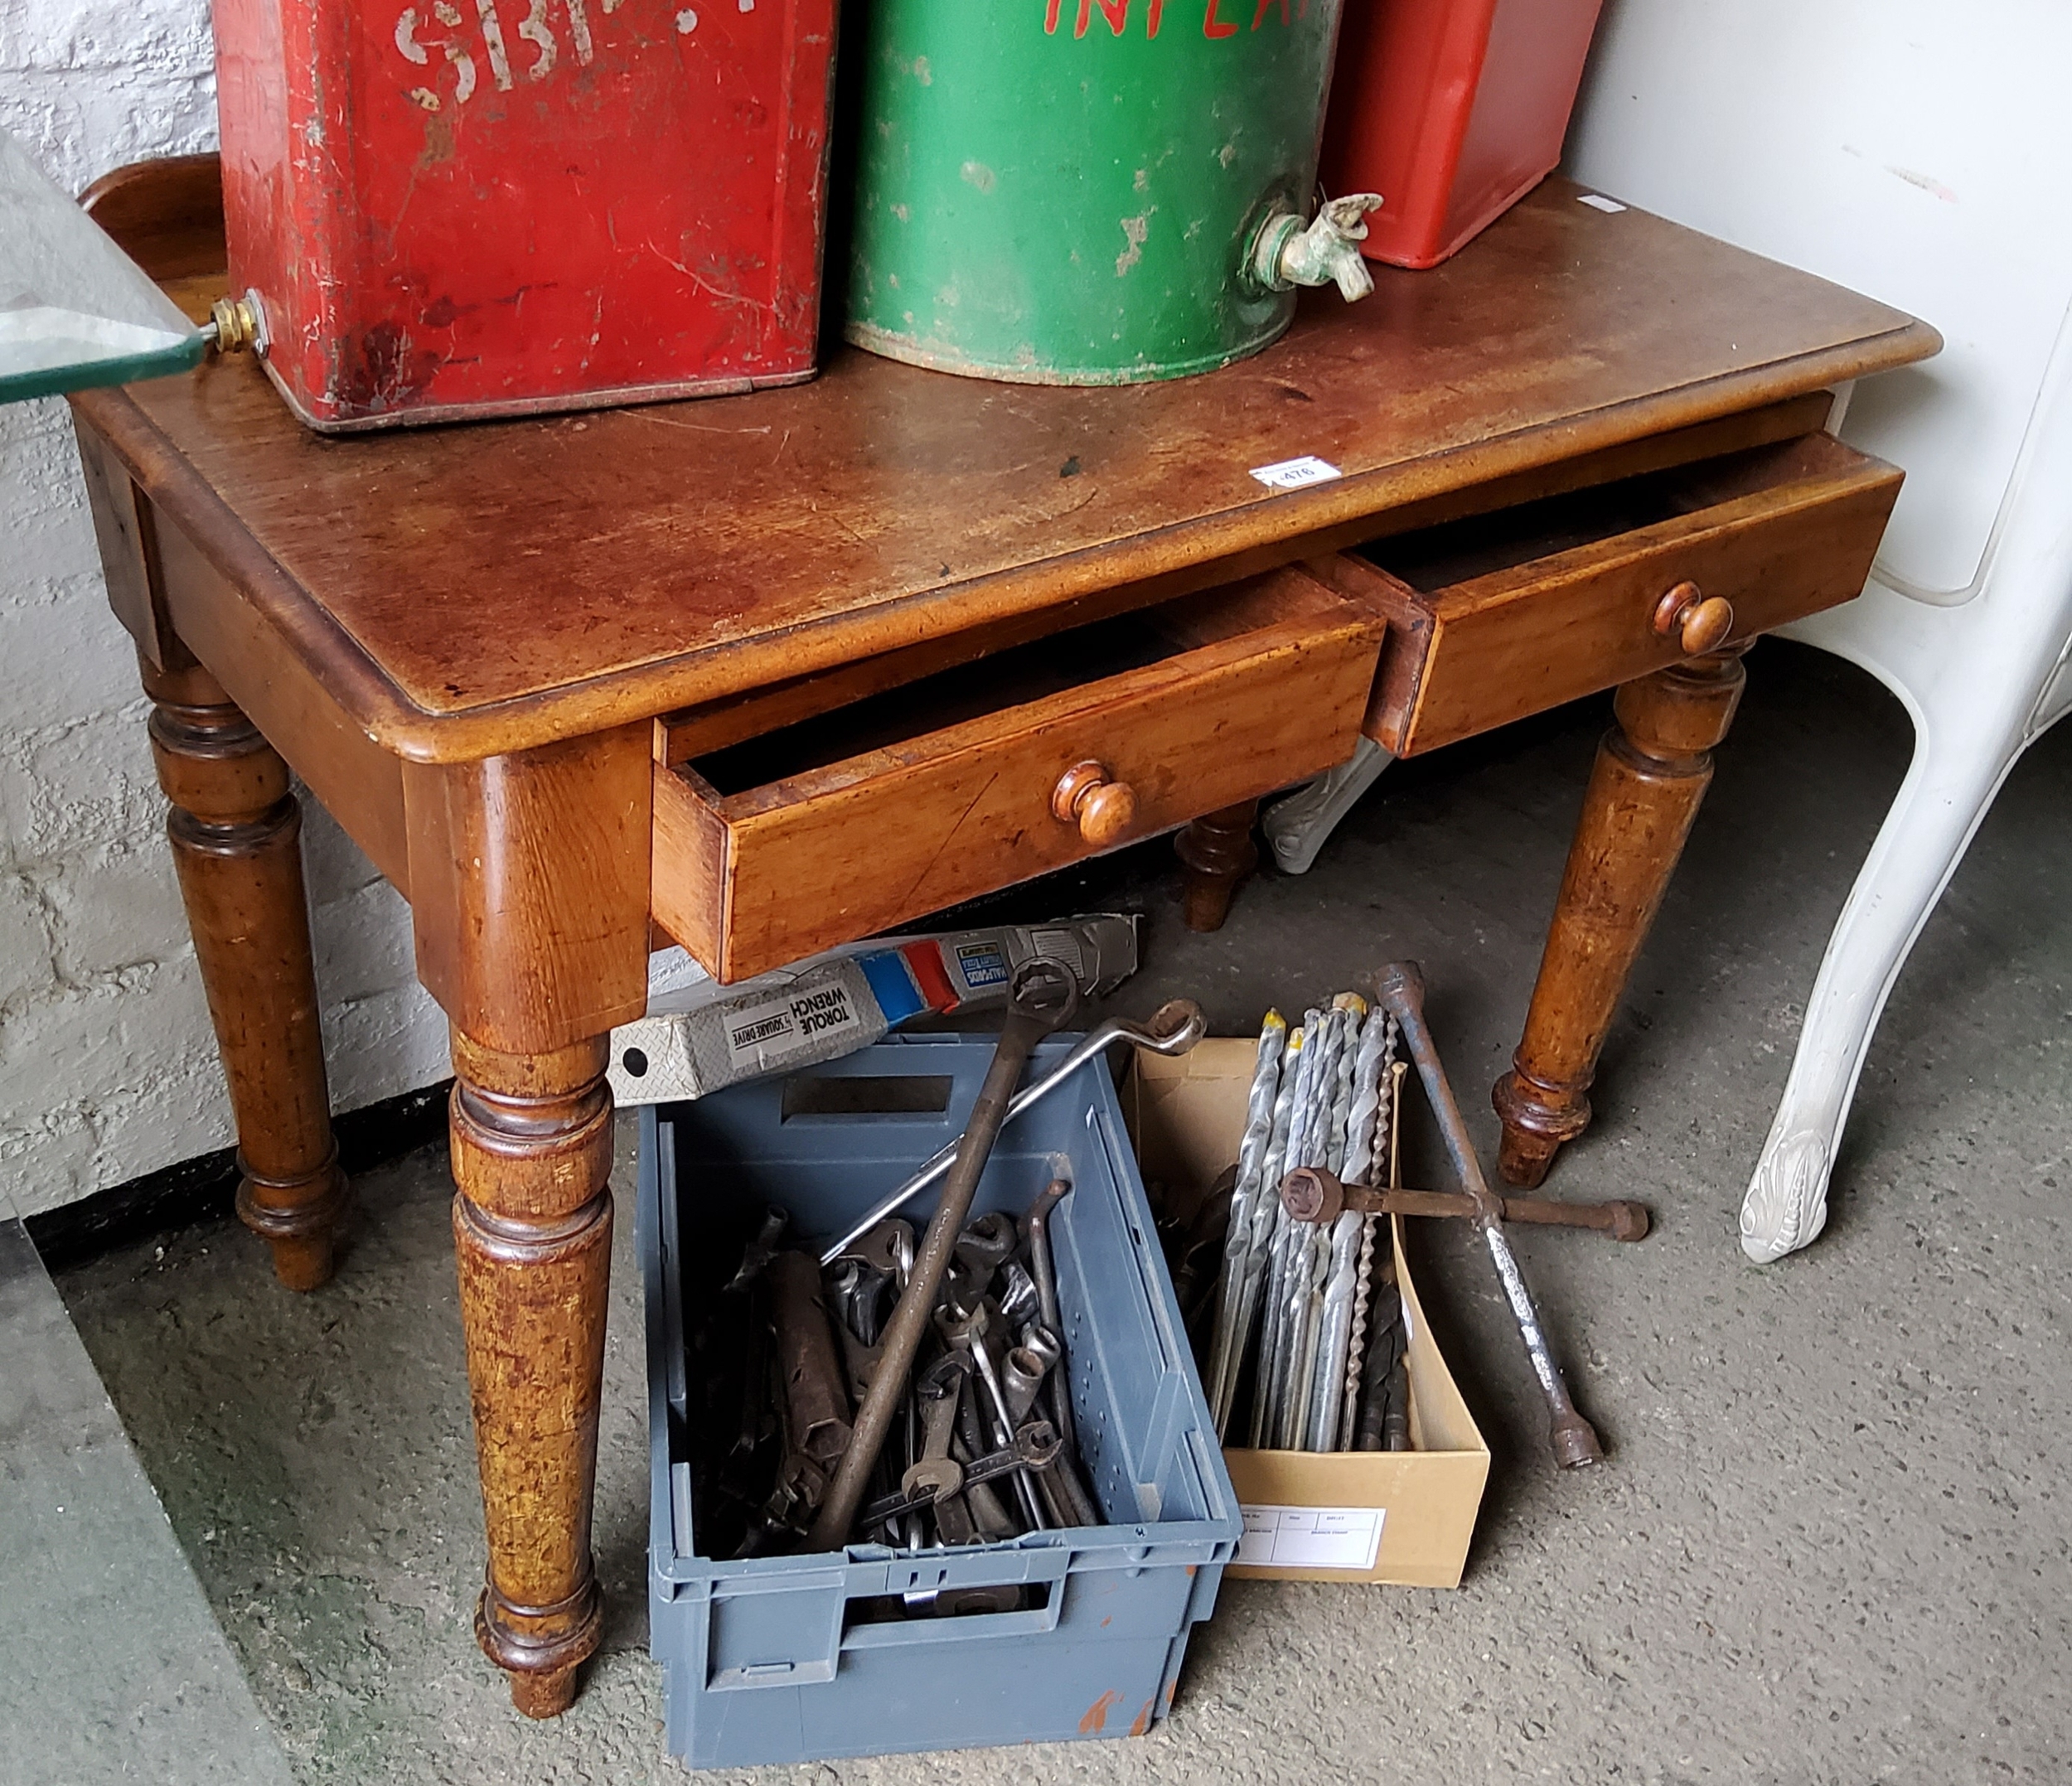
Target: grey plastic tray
x: 765, y: 1660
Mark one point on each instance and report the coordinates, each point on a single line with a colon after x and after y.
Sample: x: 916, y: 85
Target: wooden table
x: 715, y: 670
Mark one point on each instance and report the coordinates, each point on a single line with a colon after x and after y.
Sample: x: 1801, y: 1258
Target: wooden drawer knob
x: 1103, y: 809
x: 1698, y: 622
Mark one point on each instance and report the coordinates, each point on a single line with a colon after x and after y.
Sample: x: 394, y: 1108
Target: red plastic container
x: 1453, y: 110
x: 461, y: 208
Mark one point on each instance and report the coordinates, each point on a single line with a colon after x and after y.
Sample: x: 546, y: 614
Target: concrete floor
x: 1831, y: 1543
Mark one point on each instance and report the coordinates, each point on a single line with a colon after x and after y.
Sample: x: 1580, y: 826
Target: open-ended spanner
x: 936, y: 1479
x: 972, y: 1335
x: 1034, y: 1446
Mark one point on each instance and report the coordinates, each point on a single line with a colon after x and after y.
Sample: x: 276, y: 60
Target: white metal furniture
x: 1919, y: 152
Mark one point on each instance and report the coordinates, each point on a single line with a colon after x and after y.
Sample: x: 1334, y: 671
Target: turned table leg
x: 1652, y: 771
x: 532, y: 1228
x: 1218, y: 853
x: 529, y: 894
x: 236, y: 834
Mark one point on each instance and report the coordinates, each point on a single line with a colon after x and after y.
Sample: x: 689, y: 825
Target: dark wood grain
x: 1652, y: 771
x: 1269, y: 686
x: 167, y: 216
x: 1218, y: 853
x: 1770, y: 535
x: 236, y: 832
x: 485, y: 588
x: 528, y: 888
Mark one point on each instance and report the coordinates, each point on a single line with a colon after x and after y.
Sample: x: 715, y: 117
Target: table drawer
x: 1505, y: 615
x: 849, y: 823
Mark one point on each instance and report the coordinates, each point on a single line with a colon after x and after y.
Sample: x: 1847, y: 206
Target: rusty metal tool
x: 1042, y: 996
x: 1402, y: 990
x: 1034, y: 1446
x: 973, y: 1333
x: 1043, y: 1268
x: 1312, y: 1194
x: 814, y: 1379
x: 1175, y: 1028
x: 935, y: 1479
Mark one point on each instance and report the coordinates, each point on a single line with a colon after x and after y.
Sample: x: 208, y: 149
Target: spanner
x: 937, y: 1480
x: 1034, y: 1446
x: 1174, y: 1028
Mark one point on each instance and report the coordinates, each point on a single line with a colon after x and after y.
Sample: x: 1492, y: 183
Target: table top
x: 487, y: 587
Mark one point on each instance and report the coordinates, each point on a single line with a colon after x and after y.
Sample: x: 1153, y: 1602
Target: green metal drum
x: 1084, y: 191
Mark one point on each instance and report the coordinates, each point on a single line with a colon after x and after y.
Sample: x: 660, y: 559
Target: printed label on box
x: 1293, y: 474
x: 791, y: 1019
x: 981, y: 964
x: 1311, y: 1537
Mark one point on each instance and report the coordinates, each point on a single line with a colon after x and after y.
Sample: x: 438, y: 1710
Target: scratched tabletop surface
x: 569, y: 570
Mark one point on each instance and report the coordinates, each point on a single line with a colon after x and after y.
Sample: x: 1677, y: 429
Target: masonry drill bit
x: 1326, y: 1392
x: 1345, y: 1082
x: 1377, y: 1042
x: 1260, y: 1218
x: 1324, y: 1374
x: 1252, y: 1185
x: 1313, y: 1268
x: 1283, y: 1236
x: 1310, y: 1256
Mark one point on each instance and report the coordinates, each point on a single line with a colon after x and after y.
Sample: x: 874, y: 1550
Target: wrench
x: 989, y: 1512
x: 1034, y: 1446
x: 1174, y: 1028
x: 1020, y: 1303
x: 972, y: 1335
x: 936, y: 1480
x: 987, y: 1244
x: 1402, y: 987
x: 1042, y: 996
x: 1043, y: 1266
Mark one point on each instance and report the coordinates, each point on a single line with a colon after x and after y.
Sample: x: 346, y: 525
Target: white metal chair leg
x: 1946, y: 793
x: 1298, y: 824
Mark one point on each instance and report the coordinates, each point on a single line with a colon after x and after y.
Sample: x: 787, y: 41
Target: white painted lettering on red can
x: 493, y: 41
x: 417, y: 36
x: 579, y: 31
x: 406, y: 38
x: 535, y: 33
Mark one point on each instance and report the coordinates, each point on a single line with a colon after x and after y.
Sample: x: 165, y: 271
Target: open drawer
x: 1508, y: 614
x: 850, y: 822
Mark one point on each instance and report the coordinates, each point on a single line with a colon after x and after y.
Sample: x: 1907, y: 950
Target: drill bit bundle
x: 1308, y: 1306
x: 983, y: 1446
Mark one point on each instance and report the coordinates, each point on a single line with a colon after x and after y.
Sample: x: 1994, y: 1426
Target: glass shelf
x: 75, y: 310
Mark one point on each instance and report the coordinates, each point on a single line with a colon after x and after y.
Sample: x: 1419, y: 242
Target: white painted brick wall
x: 108, y: 1066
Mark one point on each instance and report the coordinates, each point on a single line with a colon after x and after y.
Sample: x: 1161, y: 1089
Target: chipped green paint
x: 1064, y: 191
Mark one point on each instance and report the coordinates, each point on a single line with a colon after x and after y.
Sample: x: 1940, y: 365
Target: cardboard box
x: 1318, y: 1516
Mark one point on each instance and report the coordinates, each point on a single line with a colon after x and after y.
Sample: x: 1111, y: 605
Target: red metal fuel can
x: 449, y: 209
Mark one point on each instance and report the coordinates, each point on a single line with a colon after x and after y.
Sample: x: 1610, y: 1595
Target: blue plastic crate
x: 765, y: 1660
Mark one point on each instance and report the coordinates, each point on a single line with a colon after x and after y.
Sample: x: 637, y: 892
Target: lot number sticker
x: 1311, y: 1537
x: 1294, y: 474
